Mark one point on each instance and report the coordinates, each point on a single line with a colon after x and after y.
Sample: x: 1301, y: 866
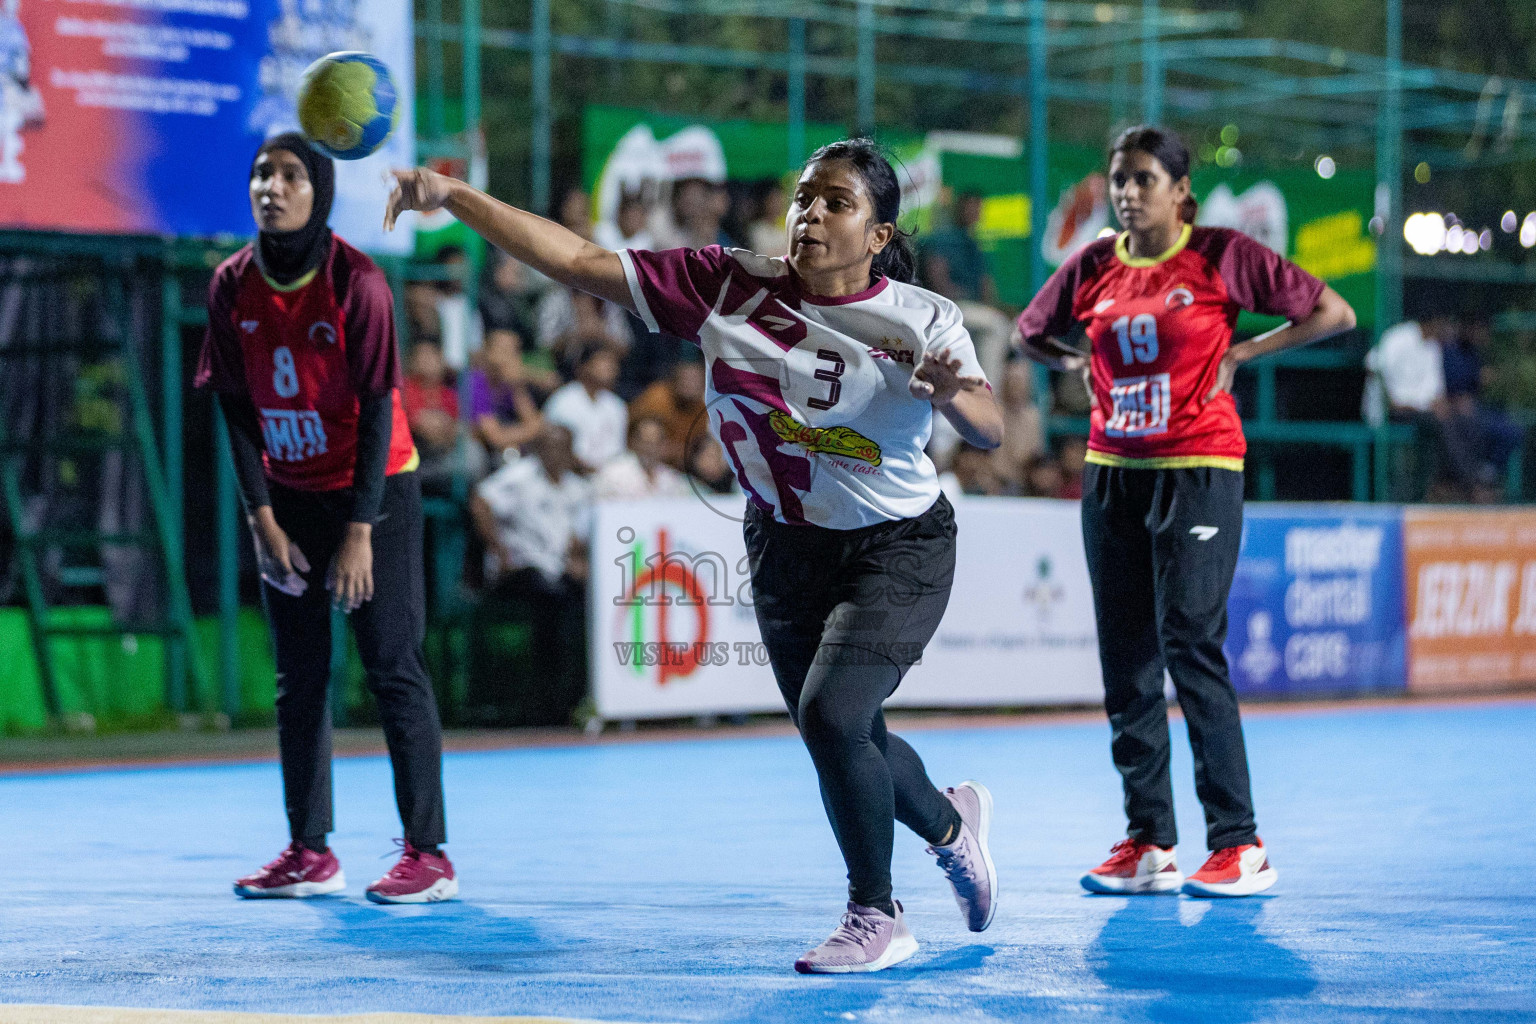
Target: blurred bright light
x: 1325, y: 167
x: 1421, y: 174
x: 1108, y: 233
x: 1509, y: 222
x: 1103, y: 13
x: 1228, y: 156
x: 1426, y: 233
x: 1528, y: 230
x: 1485, y: 239
x: 1453, y: 238
x: 1229, y: 135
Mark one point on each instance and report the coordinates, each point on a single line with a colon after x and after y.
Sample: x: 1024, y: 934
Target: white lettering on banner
x: 1141, y: 406
x: 1317, y: 655
x: 1334, y: 601
x: 237, y: 9
x: 1463, y: 599
x: 1346, y: 548
x: 150, y: 42
x: 1525, y: 618
x: 141, y: 92
x: 292, y: 436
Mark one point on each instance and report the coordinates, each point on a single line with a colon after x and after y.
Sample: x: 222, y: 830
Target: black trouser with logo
x: 389, y: 630
x: 844, y: 614
x: 1162, y: 547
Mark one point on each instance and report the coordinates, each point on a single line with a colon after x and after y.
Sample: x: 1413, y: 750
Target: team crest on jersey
x: 829, y: 440
x: 320, y: 331
x: 249, y: 326
x: 1180, y: 295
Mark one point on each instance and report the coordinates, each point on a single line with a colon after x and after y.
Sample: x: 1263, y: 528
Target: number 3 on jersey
x: 285, y: 376
x: 1138, y: 338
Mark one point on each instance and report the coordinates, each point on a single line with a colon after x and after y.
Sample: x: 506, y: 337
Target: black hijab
x: 286, y: 256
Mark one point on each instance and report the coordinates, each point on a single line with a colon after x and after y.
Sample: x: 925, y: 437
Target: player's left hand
x: 937, y: 379
x: 350, y: 579
x: 1226, y: 372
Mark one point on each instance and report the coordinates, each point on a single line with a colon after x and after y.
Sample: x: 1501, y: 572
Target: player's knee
x: 827, y: 725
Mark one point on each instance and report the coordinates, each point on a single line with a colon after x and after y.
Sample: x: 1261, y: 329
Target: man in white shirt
x: 1406, y: 384
x: 641, y: 472
x: 596, y: 417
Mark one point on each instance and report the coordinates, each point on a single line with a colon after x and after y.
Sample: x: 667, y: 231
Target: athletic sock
x: 951, y: 828
x: 433, y: 850
x: 315, y: 844
x: 886, y: 907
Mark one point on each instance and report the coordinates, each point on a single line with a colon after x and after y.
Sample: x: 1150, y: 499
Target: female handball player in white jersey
x: 824, y: 371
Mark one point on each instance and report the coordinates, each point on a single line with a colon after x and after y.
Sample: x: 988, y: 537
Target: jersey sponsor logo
x: 1101, y: 307
x: 249, y: 326
x: 292, y: 435
x: 1141, y: 406
x: 1204, y: 532
x: 773, y: 320
x: 829, y: 440
x: 891, y: 348
x: 321, y: 331
x: 1181, y: 295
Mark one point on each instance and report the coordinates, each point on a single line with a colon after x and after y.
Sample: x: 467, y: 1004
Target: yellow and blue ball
x: 348, y: 104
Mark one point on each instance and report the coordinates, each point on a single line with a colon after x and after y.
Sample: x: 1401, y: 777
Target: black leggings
x: 844, y: 614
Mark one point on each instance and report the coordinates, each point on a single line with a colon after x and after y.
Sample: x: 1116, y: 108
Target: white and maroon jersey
x: 808, y: 395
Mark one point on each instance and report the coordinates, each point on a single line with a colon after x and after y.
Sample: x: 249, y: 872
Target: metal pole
x: 1039, y: 143
x: 866, y: 67
x: 1151, y: 63
x: 227, y: 536
x: 470, y: 40
x: 1389, y: 178
x: 436, y: 119
x: 796, y: 91
x: 542, y: 114
x: 170, y: 446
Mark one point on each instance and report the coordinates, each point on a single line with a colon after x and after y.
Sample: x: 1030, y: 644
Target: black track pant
x: 844, y: 614
x: 1162, y: 547
x: 389, y: 630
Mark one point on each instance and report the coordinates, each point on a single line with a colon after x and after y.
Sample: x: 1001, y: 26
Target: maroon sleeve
x: 676, y: 289
x: 368, y: 322
x: 220, y: 366
x: 1262, y: 281
x: 1050, y: 311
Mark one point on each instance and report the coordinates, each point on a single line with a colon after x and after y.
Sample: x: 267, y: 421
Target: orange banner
x: 1471, y: 593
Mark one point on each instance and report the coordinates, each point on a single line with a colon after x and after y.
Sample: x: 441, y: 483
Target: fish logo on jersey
x: 320, y: 330
x: 829, y: 440
x: 1183, y: 296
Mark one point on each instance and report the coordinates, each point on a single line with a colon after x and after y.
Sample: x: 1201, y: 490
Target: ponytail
x: 897, y: 260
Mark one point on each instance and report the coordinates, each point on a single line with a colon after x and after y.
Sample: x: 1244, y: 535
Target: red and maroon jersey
x: 1158, y: 328
x: 305, y: 355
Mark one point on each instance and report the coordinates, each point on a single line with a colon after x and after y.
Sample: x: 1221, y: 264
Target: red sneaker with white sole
x: 1135, y: 867
x: 417, y: 877
x: 1233, y: 871
x: 297, y: 873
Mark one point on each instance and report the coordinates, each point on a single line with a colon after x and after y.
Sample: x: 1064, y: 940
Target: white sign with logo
x: 673, y: 633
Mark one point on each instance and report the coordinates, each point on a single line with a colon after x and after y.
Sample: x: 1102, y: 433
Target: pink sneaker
x: 298, y: 872
x: 417, y: 877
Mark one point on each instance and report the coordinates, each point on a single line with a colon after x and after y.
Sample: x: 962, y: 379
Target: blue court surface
x: 677, y: 881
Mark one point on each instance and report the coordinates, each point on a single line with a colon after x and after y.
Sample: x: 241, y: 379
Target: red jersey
x: 305, y: 354
x: 1158, y: 329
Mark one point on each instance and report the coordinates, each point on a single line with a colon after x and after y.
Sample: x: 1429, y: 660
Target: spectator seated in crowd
x: 707, y: 467
x: 595, y: 416
x: 972, y: 471
x: 952, y: 263
x: 502, y: 408
x: 678, y: 402
x: 1073, y: 458
x: 641, y: 472
x: 432, y: 410
x: 534, y: 517
x: 630, y: 227
x: 765, y: 234
x: 506, y: 296
x: 570, y: 320
x: 698, y: 214
x: 1483, y: 437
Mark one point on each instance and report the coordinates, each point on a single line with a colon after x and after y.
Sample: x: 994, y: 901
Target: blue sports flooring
x: 677, y: 882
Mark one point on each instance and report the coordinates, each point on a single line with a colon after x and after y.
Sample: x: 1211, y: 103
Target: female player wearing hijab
x: 301, y: 351
x: 824, y: 369
x: 1163, y: 492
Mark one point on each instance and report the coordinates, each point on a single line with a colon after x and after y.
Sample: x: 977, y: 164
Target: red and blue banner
x: 142, y: 117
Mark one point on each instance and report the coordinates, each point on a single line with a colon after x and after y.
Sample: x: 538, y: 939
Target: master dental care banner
x: 141, y: 116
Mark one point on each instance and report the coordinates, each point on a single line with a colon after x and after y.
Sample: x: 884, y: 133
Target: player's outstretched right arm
x: 547, y: 247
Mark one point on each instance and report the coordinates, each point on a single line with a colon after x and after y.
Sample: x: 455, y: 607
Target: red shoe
x: 1135, y: 867
x: 1233, y: 871
x: 298, y: 872
x: 417, y: 877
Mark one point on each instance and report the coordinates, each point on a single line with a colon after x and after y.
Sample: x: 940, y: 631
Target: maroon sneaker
x: 298, y: 872
x: 417, y: 877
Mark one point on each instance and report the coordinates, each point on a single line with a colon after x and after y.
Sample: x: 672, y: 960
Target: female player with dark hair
x: 824, y: 369
x: 301, y: 351
x: 1163, y: 492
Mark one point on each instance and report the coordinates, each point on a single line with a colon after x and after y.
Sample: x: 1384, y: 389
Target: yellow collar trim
x: 1124, y: 254
x: 293, y: 286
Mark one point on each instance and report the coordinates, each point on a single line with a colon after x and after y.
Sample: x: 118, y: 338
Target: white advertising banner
x: 673, y: 631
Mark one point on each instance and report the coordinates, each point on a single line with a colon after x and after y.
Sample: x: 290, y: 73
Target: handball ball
x: 348, y: 104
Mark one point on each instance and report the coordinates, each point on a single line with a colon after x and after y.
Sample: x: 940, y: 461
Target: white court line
x: 30, y: 1014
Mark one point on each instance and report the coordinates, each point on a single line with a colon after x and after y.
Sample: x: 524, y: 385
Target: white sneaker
x: 1135, y: 867
x: 1233, y: 871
